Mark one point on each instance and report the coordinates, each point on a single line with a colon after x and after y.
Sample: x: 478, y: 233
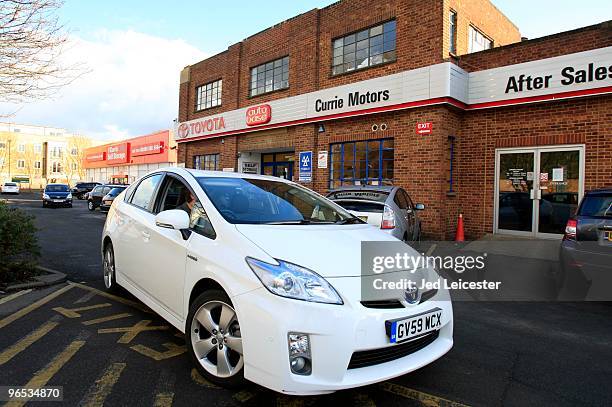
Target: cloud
x: 130, y: 89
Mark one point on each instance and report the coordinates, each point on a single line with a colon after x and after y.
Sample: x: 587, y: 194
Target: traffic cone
x: 459, y: 237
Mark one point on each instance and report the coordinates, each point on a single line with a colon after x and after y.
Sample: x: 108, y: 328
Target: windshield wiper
x: 348, y: 221
x: 299, y: 222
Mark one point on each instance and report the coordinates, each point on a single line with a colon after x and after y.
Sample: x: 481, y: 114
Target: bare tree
x: 32, y: 41
x: 75, y: 155
x: 30, y: 158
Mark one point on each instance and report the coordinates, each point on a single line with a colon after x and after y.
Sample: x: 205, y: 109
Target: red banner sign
x: 257, y: 115
x: 149, y: 148
x: 118, y: 153
x: 424, y: 128
x: 95, y: 156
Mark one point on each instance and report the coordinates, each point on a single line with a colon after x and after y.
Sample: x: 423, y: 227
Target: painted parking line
x: 27, y: 341
x: 422, y: 397
x: 131, y: 332
x: 172, y: 350
x: 106, y: 319
x: 164, y: 391
x: 99, y: 391
x: 74, y: 312
x: 121, y: 300
x: 24, y: 311
x: 13, y: 296
x: 42, y: 377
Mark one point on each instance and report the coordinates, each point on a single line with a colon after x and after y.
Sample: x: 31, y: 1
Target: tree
x: 31, y: 43
x: 30, y: 157
x: 74, y: 162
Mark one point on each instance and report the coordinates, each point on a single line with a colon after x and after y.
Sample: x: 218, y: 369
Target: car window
x: 97, y: 190
x: 362, y: 206
x: 106, y: 190
x: 407, y: 199
x: 115, y: 191
x: 597, y: 205
x: 400, y: 200
x: 57, y: 188
x: 144, y: 191
x: 178, y: 196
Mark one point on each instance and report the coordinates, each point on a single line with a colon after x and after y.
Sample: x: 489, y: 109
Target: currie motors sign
x: 573, y: 75
x: 146, y: 149
x: 118, y: 153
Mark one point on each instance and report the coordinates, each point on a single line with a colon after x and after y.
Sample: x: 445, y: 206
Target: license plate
x: 608, y: 236
x: 399, y: 330
x: 58, y: 200
x: 363, y: 218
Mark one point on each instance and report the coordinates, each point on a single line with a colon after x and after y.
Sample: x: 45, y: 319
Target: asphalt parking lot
x: 112, y: 350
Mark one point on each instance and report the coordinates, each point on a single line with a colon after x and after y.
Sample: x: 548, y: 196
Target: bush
x: 19, y: 250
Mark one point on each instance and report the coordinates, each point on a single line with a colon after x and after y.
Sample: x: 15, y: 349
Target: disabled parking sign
x: 305, y: 166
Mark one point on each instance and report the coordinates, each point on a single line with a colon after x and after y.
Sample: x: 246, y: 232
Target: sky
x: 134, y: 52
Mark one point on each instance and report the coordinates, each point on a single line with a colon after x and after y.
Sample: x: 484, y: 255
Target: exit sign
x: 424, y: 128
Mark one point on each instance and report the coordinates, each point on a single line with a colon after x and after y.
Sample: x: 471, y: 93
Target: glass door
x: 537, y: 190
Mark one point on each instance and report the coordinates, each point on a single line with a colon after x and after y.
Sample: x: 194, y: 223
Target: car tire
x: 70, y: 205
x: 206, y: 343
x: 90, y: 205
x: 44, y: 205
x: 108, y: 268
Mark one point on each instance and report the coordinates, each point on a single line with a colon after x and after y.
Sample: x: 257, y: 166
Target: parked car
x: 263, y: 276
x: 386, y: 207
x: 586, y: 250
x: 94, y: 198
x: 57, y: 195
x: 81, y: 189
x: 107, y: 200
x: 10, y: 188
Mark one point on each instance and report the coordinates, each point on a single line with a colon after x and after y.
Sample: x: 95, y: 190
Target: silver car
x: 387, y: 207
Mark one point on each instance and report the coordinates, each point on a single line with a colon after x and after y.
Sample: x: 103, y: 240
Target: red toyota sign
x: 118, y: 153
x: 424, y: 128
x: 149, y: 148
x: 257, y: 115
x: 95, y: 156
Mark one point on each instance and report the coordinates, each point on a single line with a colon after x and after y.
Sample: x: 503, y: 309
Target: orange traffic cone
x: 459, y: 237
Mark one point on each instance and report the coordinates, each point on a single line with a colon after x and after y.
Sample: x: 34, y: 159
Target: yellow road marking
x: 24, y: 311
x: 74, y: 312
x: 163, y: 399
x: 424, y: 398
x: 173, y: 350
x: 13, y: 296
x: 100, y: 390
x: 290, y: 401
x: 363, y: 400
x: 25, y: 342
x: 244, y: 395
x: 122, y: 300
x: 132, y: 331
x: 106, y: 319
x: 41, y: 377
x: 198, y: 379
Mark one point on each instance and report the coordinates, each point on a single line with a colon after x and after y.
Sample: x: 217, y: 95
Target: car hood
x: 329, y: 250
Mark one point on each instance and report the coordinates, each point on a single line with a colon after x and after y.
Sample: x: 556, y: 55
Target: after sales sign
x: 305, y: 166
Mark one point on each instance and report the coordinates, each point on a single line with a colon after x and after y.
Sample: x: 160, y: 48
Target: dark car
x: 94, y: 198
x: 107, y: 200
x: 586, y: 250
x: 57, y: 195
x: 81, y: 189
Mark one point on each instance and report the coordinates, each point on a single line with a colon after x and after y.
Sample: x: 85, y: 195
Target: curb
x: 52, y: 277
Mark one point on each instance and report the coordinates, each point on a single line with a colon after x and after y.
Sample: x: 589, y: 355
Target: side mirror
x: 419, y: 207
x: 172, y: 219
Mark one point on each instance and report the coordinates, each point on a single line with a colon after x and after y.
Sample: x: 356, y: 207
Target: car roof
x: 57, y: 183
x: 600, y: 191
x: 219, y: 174
x: 379, y: 188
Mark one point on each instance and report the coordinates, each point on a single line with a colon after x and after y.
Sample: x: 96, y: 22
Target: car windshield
x: 377, y: 196
x: 10, y: 184
x: 56, y: 188
x: 362, y: 206
x: 597, y: 205
x: 115, y: 191
x: 259, y: 201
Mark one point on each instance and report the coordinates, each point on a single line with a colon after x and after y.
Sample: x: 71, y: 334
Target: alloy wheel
x: 216, y: 339
x: 109, y: 267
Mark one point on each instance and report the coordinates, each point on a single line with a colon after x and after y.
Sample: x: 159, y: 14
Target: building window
x: 74, y: 151
x: 361, y: 163
x: 74, y: 166
x: 452, y: 18
x: 368, y: 47
x: 16, y: 130
x: 21, y: 148
x: 37, y: 148
x: 209, y: 95
x: 56, y: 152
x: 20, y: 163
x: 206, y: 162
x: 478, y: 41
x: 37, y: 165
x: 56, y: 167
x: 2, y: 145
x: 270, y: 76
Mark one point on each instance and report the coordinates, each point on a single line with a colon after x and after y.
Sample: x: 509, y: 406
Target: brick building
x: 439, y: 96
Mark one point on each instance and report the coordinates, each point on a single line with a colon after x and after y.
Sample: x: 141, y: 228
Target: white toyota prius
x: 263, y: 277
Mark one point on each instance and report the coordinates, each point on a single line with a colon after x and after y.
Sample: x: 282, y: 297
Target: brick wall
x: 485, y: 17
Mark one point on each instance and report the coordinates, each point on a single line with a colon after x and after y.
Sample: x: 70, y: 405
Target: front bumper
x: 336, y: 331
x: 57, y: 202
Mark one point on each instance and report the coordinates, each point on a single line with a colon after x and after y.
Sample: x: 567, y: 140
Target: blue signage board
x: 305, y: 166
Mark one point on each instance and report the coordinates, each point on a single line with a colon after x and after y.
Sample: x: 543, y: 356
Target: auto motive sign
x: 305, y: 166
x: 118, y: 153
x: 149, y: 148
x: 257, y: 115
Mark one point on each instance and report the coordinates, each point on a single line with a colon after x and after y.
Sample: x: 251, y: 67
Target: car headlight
x: 69, y: 196
x: 45, y: 196
x: 293, y: 281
